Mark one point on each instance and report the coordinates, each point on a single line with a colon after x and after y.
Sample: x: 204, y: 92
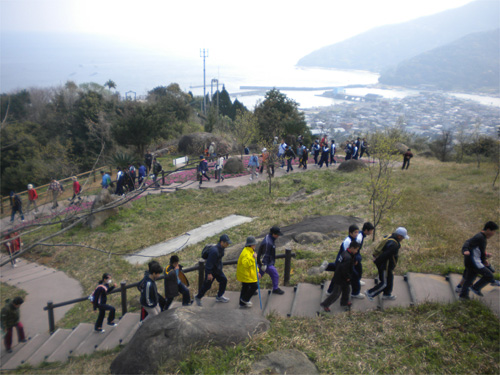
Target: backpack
x: 91, y: 298
x: 206, y: 251
x: 380, y: 247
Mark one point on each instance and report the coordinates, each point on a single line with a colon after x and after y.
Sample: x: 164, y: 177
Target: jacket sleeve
x: 211, y: 263
x: 390, y: 250
x: 476, y: 258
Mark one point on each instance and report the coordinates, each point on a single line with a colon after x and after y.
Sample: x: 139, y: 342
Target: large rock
x: 351, y: 165
x: 195, y: 143
x: 174, y: 333
x: 233, y: 166
x: 310, y: 237
x: 290, y: 362
x: 103, y: 198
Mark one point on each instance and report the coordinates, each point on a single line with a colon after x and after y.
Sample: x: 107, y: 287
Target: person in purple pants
x: 266, y: 258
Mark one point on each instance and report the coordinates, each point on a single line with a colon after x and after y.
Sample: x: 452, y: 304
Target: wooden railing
x: 200, y: 267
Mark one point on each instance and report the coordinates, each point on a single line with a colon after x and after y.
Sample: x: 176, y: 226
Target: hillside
x: 386, y: 46
x: 470, y: 63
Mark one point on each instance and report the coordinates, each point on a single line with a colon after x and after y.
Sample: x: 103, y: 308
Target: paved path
x: 42, y: 284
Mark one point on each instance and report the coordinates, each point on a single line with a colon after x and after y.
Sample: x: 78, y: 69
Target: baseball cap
x: 402, y: 232
x: 276, y: 230
x: 224, y: 238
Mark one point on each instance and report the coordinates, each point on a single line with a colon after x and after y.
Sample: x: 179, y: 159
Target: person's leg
x: 8, y: 338
x: 111, y: 315
x: 470, y: 276
x: 21, y: 213
x: 487, y: 277
x: 100, y: 319
x: 207, y: 284
x: 336, y: 290
x: 222, y: 280
x: 382, y: 284
x: 346, y: 293
x: 13, y: 214
x: 20, y: 332
x: 244, y: 293
x: 275, y: 278
x: 152, y: 311
x: 390, y: 283
x: 168, y: 302
x: 186, y: 296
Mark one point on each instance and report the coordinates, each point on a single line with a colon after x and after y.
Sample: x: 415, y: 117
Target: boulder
x: 103, y: 198
x: 195, y: 143
x: 351, y: 165
x: 233, y: 166
x: 288, y: 362
x: 174, y: 333
x: 401, y: 147
x: 310, y: 237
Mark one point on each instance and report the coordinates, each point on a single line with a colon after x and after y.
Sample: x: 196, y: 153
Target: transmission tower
x: 204, y: 54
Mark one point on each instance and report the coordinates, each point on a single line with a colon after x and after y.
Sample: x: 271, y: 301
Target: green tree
x: 245, y: 129
x: 110, y: 84
x: 279, y: 115
x: 237, y: 107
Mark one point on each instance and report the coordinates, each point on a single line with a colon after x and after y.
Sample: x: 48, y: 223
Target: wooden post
x: 201, y: 274
x: 50, y: 310
x: 288, y: 266
x: 1, y: 203
x: 123, y: 286
x: 163, y: 177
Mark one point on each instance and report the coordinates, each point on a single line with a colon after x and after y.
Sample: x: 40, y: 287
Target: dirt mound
x: 351, y: 165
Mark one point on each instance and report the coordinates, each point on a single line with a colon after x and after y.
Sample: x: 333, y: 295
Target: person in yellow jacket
x: 246, y: 272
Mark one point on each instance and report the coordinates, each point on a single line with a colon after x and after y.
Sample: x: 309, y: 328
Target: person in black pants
x: 343, y: 274
x: 100, y: 302
x: 475, y: 261
x: 176, y: 283
x: 386, y: 262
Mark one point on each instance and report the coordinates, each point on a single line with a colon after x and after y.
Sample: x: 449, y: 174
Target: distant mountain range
x: 471, y: 63
x: 383, y: 48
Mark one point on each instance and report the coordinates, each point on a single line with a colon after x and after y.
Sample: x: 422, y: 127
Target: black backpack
x: 206, y: 250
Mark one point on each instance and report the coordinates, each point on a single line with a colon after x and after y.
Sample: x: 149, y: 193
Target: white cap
x: 264, y: 149
x: 402, y: 232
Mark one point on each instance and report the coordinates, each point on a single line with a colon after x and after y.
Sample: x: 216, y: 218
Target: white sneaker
x: 250, y: 178
x: 358, y: 296
x: 222, y: 299
x: 361, y: 282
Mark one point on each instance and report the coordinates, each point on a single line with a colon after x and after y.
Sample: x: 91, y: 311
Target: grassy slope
x: 443, y: 204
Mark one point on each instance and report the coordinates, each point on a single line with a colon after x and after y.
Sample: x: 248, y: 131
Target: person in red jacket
x: 32, y: 197
x: 76, y: 190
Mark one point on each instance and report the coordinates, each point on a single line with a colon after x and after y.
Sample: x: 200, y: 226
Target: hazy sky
x: 240, y: 29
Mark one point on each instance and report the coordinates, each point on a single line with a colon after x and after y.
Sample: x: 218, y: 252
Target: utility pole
x: 204, y: 54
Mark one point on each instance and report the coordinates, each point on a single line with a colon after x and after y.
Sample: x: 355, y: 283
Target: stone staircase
x: 300, y: 301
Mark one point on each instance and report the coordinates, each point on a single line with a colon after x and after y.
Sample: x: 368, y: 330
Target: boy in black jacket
x: 386, y: 262
x: 342, y: 278
x: 176, y: 282
x: 150, y: 300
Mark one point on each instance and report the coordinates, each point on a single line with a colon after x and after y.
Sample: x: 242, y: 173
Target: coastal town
x: 427, y: 115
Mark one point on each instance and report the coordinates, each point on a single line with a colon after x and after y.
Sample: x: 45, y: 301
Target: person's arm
x: 476, y: 258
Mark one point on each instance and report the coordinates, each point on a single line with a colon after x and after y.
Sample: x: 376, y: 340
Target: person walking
x: 213, y: 271
x: 475, y: 262
x: 17, y: 206
x: 120, y: 178
x: 253, y: 164
x: 150, y: 299
x: 211, y: 152
x: 315, y: 148
x: 203, y: 169
x: 55, y: 188
x: 325, y: 153
x: 406, y: 159
x: 106, y: 180
x: 289, y: 155
x: 281, y: 153
x: 32, y: 197
x: 13, y: 245
x: 333, y: 149
x: 386, y: 262
x: 342, y: 278
x: 142, y: 174
x: 177, y: 283
x: 266, y: 258
x: 246, y: 272
x: 10, y: 318
x: 364, y: 148
x: 219, y: 165
x: 100, y: 301
x: 76, y: 190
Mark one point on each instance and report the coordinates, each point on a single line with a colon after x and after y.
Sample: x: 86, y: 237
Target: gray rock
x: 288, y: 362
x: 102, y: 199
x: 310, y: 237
x: 174, y: 333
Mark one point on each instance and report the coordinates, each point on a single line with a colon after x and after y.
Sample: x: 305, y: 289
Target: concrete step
x: 48, y: 347
x: 430, y: 288
x: 27, y: 276
x: 7, y: 270
x: 19, y: 357
x: 76, y: 337
x: 280, y: 304
x: 10, y: 274
x: 364, y: 304
x: 131, y: 333
x: 234, y: 301
x: 307, y: 299
x: 92, y: 341
x: 119, y: 333
x: 402, y: 291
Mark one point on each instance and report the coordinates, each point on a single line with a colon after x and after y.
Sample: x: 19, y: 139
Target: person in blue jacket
x: 203, y: 169
x: 142, y: 174
x: 213, y: 271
